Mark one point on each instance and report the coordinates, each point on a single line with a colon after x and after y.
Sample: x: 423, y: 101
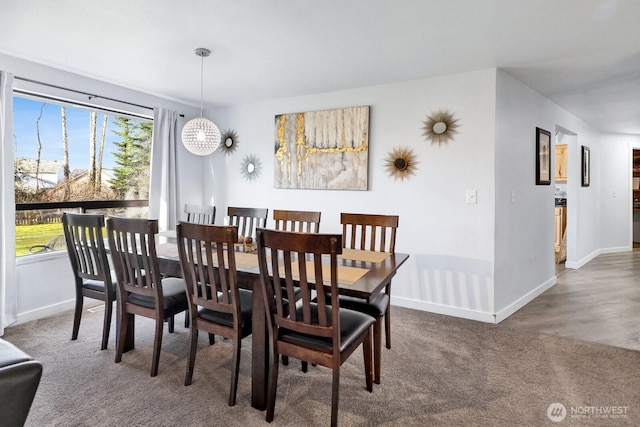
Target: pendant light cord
x: 201, y: 83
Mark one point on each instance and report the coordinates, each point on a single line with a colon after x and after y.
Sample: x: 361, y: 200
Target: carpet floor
x: 441, y: 371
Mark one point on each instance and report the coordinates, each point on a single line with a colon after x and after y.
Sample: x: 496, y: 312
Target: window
x: 71, y: 158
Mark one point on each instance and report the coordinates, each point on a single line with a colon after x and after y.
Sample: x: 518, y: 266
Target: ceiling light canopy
x: 200, y: 135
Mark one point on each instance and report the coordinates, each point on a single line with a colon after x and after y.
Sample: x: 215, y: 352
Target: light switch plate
x: 472, y: 196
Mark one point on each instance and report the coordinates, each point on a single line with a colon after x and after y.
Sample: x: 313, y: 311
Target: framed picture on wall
x: 543, y: 157
x: 586, y: 166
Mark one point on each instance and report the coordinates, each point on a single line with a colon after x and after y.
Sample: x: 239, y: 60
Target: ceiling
x: 582, y: 54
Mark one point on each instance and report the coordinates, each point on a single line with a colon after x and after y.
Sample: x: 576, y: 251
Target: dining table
x: 361, y: 274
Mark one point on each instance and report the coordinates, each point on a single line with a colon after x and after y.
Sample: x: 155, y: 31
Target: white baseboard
x: 578, y: 264
x: 616, y: 250
x: 42, y: 312
x: 524, y: 300
x: 443, y: 309
x: 480, y: 316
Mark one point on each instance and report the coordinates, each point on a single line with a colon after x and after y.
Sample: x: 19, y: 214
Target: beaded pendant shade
x: 200, y: 135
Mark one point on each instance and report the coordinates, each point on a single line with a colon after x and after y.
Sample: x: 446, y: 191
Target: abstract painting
x: 325, y: 149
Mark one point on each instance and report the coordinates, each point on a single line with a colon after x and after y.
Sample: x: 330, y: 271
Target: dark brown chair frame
x: 372, y: 233
x: 141, y: 288
x: 215, y: 300
x: 90, y: 265
x: 318, y: 325
x: 300, y: 221
x: 247, y: 219
x: 199, y: 214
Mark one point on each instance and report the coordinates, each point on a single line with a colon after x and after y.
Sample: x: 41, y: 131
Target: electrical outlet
x: 472, y: 196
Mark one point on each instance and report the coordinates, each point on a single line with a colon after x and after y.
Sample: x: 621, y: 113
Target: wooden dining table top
x: 360, y: 273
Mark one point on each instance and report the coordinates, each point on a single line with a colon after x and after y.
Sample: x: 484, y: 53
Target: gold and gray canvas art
x: 325, y: 149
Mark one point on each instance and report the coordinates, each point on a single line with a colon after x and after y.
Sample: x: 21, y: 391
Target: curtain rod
x: 80, y: 104
x: 90, y: 95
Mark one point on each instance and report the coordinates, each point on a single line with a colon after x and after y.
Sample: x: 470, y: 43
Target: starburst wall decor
x: 401, y: 163
x: 229, y: 141
x: 440, y: 127
x: 251, y: 167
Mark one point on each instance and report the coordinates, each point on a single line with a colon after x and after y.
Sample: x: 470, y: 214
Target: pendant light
x: 201, y: 136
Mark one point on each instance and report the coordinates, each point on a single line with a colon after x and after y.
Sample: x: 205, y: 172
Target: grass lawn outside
x: 29, y: 236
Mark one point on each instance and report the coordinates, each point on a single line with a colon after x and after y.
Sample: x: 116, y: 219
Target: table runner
x: 346, y: 275
x: 360, y: 255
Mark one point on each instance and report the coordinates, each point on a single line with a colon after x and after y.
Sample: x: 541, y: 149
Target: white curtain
x: 8, y: 288
x: 163, y: 195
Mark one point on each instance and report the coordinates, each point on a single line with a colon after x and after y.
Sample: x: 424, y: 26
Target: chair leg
x: 305, y: 366
x: 186, y: 318
x: 272, y: 385
x: 387, y: 325
x: 377, y: 349
x: 285, y: 360
x: 366, y: 349
x: 121, y: 334
x: 108, y: 308
x: 193, y: 347
x: 171, y: 324
x: 212, y: 339
x: 157, y: 344
x: 235, y: 370
x: 77, y: 314
x: 335, y: 396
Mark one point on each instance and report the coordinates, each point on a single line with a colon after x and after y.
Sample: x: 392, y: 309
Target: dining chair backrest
x: 209, y: 270
x: 133, y: 251
x: 369, y: 232
x: 90, y: 264
x: 247, y: 219
x: 85, y: 246
x: 315, y: 330
x: 301, y: 221
x: 295, y: 259
x: 199, y: 214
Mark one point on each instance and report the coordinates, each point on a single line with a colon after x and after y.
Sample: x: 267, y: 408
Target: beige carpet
x: 441, y: 371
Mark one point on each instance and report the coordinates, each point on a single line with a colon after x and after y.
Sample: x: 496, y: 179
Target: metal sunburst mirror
x: 401, y: 163
x: 440, y: 127
x: 229, y: 141
x: 251, y: 167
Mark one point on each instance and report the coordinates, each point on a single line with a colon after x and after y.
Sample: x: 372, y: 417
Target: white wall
x: 616, y: 165
x: 450, y: 242
x: 525, y: 224
x: 44, y: 281
x: 480, y: 261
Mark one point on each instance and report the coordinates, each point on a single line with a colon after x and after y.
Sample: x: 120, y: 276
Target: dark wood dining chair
x: 319, y: 332
x: 301, y: 221
x: 200, y: 214
x: 371, y: 233
x: 247, y: 219
x: 141, y: 288
x: 90, y: 265
x: 216, y: 304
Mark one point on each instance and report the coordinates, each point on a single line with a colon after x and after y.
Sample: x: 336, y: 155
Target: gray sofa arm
x: 19, y: 380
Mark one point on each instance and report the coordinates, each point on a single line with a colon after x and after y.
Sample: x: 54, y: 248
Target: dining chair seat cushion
x: 297, y: 292
x: 226, y: 319
x: 377, y: 307
x: 98, y: 285
x: 173, y: 291
x: 352, y: 326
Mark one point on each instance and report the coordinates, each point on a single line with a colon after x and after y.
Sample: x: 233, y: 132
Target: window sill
x: 34, y: 258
